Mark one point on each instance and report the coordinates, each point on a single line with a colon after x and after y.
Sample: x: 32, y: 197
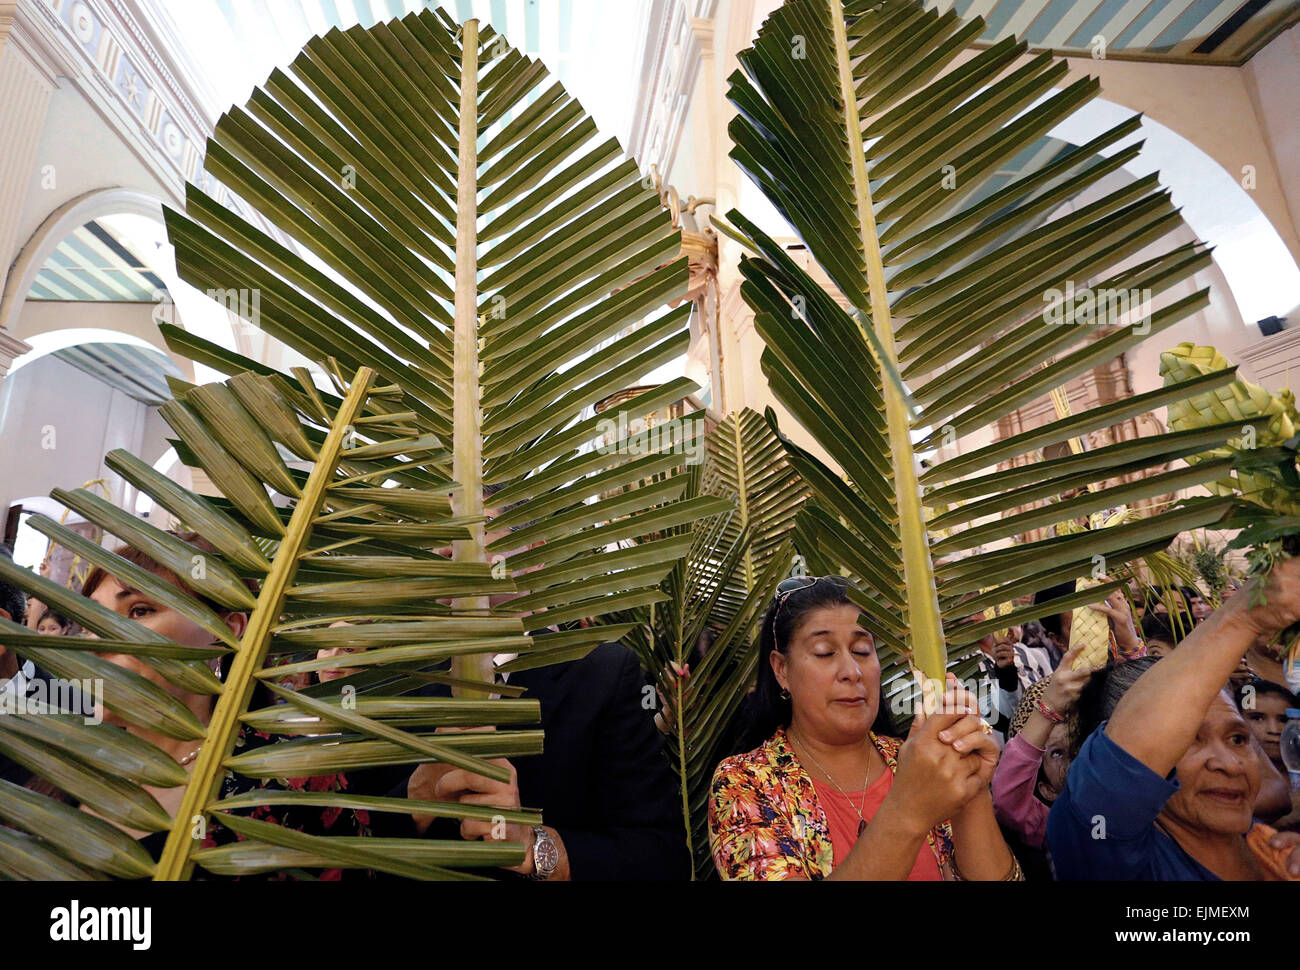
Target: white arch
x: 58, y: 225
x: 198, y: 314
x: 53, y: 341
x: 1260, y: 270
x: 30, y: 545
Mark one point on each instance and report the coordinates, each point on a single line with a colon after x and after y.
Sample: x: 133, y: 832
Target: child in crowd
x: 1160, y: 634
x: 1264, y: 705
x: 53, y: 624
x: 1032, y: 769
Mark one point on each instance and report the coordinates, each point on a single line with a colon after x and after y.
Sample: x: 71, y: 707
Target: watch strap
x: 545, y: 856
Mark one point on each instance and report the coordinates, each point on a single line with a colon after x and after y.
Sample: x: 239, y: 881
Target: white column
x: 707, y: 115
x: 26, y: 82
x: 706, y: 133
x: 734, y: 320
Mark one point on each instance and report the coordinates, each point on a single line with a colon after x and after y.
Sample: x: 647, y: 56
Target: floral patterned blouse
x: 765, y: 821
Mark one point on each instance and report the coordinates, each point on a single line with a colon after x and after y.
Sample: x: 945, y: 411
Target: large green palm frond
x: 471, y: 267
x: 863, y: 125
x: 714, y: 600
x: 746, y: 461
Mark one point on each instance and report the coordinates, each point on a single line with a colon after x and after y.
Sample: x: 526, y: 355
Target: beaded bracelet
x: 1041, y: 707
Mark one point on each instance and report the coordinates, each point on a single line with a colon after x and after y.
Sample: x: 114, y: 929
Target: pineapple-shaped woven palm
x: 1238, y: 401
x: 1090, y: 627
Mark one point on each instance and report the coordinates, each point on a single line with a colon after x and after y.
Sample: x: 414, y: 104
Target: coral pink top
x: 842, y: 818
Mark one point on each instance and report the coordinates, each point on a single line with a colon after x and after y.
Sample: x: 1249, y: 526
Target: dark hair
x: 1035, y: 635
x: 1266, y: 687
x: 57, y: 617
x: 1164, y: 595
x: 12, y: 599
x: 1103, y: 693
x: 771, y: 710
x: 1157, y: 627
x: 1052, y: 622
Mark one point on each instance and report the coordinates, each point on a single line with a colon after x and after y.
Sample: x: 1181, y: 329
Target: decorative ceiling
x: 1185, y: 31
x: 589, y: 45
x: 93, y: 264
x: 135, y: 371
x: 97, y: 263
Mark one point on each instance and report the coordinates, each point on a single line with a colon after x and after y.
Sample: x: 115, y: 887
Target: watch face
x: 545, y: 855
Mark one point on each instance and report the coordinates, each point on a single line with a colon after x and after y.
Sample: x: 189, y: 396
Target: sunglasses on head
x: 796, y: 583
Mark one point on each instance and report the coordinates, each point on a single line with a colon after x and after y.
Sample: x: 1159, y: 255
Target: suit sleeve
x: 642, y: 835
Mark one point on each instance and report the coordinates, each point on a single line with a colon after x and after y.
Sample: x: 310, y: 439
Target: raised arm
x: 1016, y: 779
x: 1159, y: 716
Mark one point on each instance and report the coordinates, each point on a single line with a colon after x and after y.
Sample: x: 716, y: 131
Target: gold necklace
x: 862, y: 822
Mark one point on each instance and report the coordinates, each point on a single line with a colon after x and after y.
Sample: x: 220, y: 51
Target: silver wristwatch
x: 546, y: 856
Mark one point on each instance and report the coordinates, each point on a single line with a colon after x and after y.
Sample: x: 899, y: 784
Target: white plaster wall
x: 153, y: 440
x: 1211, y: 107
x: 50, y: 316
x: 88, y: 419
x: 1273, y: 80
x: 85, y: 154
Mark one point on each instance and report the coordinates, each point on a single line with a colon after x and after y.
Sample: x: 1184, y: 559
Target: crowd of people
x: 1162, y: 764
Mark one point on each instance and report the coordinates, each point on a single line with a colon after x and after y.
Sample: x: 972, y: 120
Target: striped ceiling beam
x: 1164, y: 16
x: 130, y: 370
x: 91, y: 264
x: 1206, y: 26
x: 1210, y: 32
x: 1068, y: 25
x: 979, y: 8
x: 95, y: 268
x: 1111, y: 25
x: 1267, y: 24
x: 53, y: 278
x: 1023, y: 18
x: 135, y: 375
x: 114, y: 268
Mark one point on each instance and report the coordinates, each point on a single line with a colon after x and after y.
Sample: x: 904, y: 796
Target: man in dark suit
x: 610, y: 803
x: 608, y: 798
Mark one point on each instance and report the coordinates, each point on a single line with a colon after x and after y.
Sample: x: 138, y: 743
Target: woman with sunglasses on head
x: 830, y: 795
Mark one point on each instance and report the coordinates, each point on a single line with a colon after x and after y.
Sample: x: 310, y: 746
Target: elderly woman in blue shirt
x: 1166, y: 788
